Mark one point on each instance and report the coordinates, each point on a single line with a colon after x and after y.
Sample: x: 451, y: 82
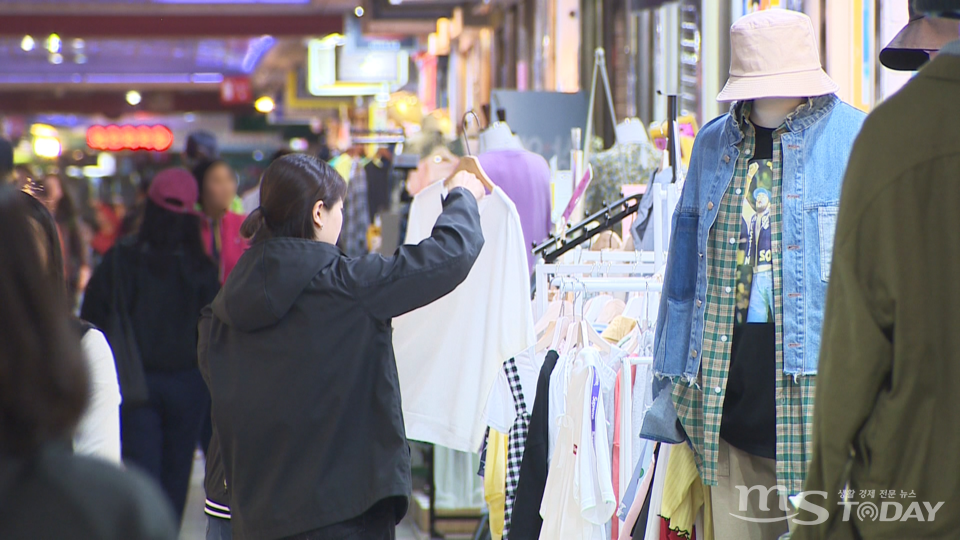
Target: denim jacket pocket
x: 827, y: 223
x: 682, y: 264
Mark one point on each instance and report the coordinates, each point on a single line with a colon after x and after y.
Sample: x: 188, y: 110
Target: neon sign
x: 115, y: 138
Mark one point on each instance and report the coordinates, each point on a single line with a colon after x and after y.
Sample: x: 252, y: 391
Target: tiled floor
x: 195, y: 522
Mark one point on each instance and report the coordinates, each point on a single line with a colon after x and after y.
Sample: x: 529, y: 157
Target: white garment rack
x: 629, y: 284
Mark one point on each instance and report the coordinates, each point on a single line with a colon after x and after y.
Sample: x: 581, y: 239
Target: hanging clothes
x: 684, y: 495
x: 619, y: 165
x: 525, y: 178
x: 578, y: 498
x: 525, y: 521
x: 356, y: 217
x: 494, y: 481
x: 379, y: 185
x: 450, y: 352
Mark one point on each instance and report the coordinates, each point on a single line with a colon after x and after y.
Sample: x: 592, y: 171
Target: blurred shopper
x: 166, y: 278
x: 130, y: 223
x: 886, y: 410
x: 217, y: 184
x: 201, y: 146
x: 251, y: 199
x: 98, y: 433
x: 6, y: 162
x: 108, y: 221
x: 306, y: 402
x: 46, y: 491
x: 74, y: 236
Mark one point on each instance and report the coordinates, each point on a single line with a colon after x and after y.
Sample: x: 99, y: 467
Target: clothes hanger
x: 469, y: 162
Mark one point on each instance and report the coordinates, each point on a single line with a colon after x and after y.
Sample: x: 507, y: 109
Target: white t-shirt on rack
x: 501, y: 410
x: 578, y: 498
x: 449, y: 352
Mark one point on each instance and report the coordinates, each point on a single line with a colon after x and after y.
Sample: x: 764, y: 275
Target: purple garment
x: 525, y: 178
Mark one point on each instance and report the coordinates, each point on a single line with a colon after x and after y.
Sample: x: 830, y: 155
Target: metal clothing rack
x: 630, y: 284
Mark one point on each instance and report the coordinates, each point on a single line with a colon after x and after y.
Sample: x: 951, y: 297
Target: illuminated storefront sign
x: 115, y: 138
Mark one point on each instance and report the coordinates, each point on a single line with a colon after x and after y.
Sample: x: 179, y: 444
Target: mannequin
x: 499, y: 137
x: 756, y: 212
x: 771, y: 112
x: 630, y: 131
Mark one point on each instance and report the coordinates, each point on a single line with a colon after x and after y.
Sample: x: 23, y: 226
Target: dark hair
x: 201, y: 144
x: 200, y: 173
x: 291, y: 186
x: 169, y: 232
x: 43, y: 378
x: 38, y: 213
x: 280, y: 153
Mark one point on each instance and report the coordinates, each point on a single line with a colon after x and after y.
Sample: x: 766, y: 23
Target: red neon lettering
x: 115, y: 138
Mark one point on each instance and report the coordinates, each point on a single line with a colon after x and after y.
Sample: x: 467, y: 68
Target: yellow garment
x: 495, y: 481
x: 618, y: 329
x: 343, y: 164
x: 684, y: 494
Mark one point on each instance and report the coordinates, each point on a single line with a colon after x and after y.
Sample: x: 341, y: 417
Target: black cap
x: 910, y: 49
x: 938, y: 8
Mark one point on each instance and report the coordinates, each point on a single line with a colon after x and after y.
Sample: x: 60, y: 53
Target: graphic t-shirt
x: 749, y: 408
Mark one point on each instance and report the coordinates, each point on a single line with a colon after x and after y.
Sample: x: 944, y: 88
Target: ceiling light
x: 27, y: 43
x: 133, y: 97
x: 264, y: 104
x: 55, y: 58
x: 80, y: 58
x: 78, y: 43
x: 46, y: 147
x: 396, y: 2
x: 358, y: 11
x: 54, y: 44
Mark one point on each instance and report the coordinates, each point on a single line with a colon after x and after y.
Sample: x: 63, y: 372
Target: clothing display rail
x: 629, y: 284
x: 596, y: 269
x: 601, y: 221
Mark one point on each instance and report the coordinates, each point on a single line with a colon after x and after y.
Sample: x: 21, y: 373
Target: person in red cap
x: 159, y: 280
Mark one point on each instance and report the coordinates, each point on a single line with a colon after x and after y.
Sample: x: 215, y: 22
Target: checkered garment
x: 517, y: 438
x: 700, y: 406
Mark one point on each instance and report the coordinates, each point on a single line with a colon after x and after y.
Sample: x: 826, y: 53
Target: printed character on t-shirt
x: 754, y: 254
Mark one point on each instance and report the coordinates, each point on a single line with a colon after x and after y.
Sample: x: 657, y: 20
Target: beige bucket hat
x: 775, y: 54
x: 912, y: 46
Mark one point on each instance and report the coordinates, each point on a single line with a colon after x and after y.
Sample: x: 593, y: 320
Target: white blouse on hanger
x: 578, y: 499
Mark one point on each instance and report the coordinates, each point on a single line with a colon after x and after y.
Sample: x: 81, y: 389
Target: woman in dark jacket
x: 166, y: 279
x: 306, y: 401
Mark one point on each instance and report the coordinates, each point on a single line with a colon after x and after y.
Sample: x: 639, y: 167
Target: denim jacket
x: 815, y: 152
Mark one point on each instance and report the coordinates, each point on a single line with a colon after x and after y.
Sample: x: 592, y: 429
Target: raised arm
x: 417, y: 275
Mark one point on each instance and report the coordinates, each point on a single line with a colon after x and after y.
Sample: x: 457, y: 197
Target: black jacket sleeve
x: 418, y: 275
x: 98, y: 297
x: 214, y: 482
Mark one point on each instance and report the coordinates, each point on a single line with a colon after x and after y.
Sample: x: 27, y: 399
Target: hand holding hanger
x: 469, y: 181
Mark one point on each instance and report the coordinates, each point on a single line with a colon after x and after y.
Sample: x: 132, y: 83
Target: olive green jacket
x: 887, y: 414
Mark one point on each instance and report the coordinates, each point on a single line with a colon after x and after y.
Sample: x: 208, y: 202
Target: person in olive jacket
x: 301, y: 368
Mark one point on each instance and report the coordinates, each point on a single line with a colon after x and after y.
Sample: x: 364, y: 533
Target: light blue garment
x: 816, y: 146
x: 643, y: 469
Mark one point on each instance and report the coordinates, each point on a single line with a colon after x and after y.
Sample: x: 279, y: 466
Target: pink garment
x: 232, y: 245
x: 626, y: 532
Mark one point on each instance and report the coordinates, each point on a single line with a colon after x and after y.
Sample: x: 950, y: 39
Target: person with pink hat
x: 886, y: 413
x: 739, y: 326
x: 158, y: 281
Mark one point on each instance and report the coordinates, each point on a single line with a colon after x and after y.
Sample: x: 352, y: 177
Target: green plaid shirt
x: 700, y: 406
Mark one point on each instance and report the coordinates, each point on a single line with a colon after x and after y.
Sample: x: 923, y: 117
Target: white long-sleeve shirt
x: 98, y: 433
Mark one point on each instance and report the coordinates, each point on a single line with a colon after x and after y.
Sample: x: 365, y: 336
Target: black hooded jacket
x: 306, y: 398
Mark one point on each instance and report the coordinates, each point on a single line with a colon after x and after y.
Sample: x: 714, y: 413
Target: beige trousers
x: 743, y: 496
